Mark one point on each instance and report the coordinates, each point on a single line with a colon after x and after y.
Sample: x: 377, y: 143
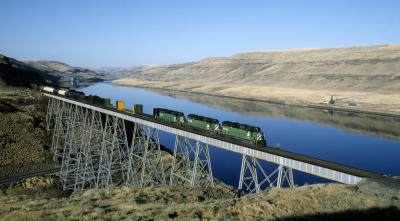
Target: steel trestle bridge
x: 92, y: 142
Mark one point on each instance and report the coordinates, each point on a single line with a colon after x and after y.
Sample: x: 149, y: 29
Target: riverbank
x: 42, y: 197
x: 368, y: 103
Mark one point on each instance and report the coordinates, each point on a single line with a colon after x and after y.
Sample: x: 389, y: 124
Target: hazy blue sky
x: 127, y: 33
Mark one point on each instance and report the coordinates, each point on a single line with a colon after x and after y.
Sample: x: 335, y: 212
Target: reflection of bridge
x: 93, y: 144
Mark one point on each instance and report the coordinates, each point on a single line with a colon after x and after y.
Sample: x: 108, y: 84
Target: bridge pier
x: 92, y: 143
x: 63, y: 116
x: 145, y: 166
x: 196, y: 172
x: 70, y: 149
x: 85, y: 171
x: 111, y: 168
x: 52, y: 110
x: 253, y: 176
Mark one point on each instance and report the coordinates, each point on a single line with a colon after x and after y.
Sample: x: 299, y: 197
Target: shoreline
x: 278, y: 101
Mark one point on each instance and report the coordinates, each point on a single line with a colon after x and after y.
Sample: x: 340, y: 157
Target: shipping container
x: 138, y: 108
x: 120, y: 105
x: 107, y: 101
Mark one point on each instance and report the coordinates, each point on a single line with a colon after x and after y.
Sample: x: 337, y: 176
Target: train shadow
x: 390, y: 213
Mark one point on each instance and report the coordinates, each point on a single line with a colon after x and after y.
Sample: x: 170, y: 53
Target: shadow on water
x: 377, y: 126
x: 305, y: 131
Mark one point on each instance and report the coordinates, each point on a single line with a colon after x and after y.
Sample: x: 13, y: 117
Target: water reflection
x: 378, y: 126
x: 362, y: 141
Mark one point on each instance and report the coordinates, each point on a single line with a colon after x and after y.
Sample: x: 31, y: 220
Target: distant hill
x: 371, y: 68
x: 62, y: 74
x: 122, y: 72
x: 12, y: 75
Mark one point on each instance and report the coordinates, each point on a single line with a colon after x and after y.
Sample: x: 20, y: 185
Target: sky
x: 96, y: 33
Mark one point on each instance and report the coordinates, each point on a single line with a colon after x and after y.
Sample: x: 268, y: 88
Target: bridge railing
x: 92, y: 143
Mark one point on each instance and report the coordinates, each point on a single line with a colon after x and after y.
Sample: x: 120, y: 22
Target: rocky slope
x: 368, y: 75
x: 24, y: 143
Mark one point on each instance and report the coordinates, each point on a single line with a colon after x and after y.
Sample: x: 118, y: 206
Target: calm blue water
x: 324, y: 142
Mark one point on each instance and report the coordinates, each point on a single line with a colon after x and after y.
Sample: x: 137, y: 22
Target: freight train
x: 242, y: 132
x: 77, y: 94
x: 232, y: 130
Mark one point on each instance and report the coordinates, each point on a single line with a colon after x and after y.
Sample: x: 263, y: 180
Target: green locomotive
x: 242, y: 132
x: 169, y: 115
x: 204, y: 123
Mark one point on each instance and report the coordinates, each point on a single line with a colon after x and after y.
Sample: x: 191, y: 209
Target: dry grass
x: 169, y: 202
x: 24, y: 141
x: 296, y: 96
x: 367, y: 75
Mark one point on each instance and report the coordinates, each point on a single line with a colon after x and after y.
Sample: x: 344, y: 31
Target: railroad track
x: 275, y: 152
x: 25, y: 176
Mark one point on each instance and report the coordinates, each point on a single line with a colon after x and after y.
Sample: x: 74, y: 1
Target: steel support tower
x: 194, y: 172
x: 253, y: 176
x: 92, y: 143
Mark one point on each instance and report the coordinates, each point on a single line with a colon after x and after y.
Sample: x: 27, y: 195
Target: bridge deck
x: 322, y: 168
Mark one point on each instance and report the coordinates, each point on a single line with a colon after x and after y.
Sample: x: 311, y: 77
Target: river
x: 358, y: 140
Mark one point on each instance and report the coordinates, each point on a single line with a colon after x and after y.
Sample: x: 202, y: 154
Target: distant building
x: 352, y: 103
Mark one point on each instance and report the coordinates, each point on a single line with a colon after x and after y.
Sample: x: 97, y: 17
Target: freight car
x: 98, y: 100
x: 241, y: 132
x: 77, y: 95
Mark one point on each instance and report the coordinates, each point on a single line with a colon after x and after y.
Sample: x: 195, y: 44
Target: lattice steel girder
x: 267, y: 155
x: 70, y: 150
x: 52, y: 109
x: 111, y: 170
x: 136, y: 157
x: 195, y: 172
x: 285, y: 174
x: 251, y: 171
x: 145, y: 165
x: 85, y: 172
x: 63, y: 116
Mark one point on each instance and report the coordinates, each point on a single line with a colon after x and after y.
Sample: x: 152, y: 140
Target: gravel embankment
x: 24, y: 142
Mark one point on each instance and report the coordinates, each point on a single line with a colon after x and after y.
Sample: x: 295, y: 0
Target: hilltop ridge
x: 368, y: 75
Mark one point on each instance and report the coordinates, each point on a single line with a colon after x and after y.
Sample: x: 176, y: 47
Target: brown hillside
x: 309, y: 75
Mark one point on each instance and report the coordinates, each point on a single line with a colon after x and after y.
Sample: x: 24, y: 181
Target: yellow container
x: 120, y: 105
x: 133, y: 109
